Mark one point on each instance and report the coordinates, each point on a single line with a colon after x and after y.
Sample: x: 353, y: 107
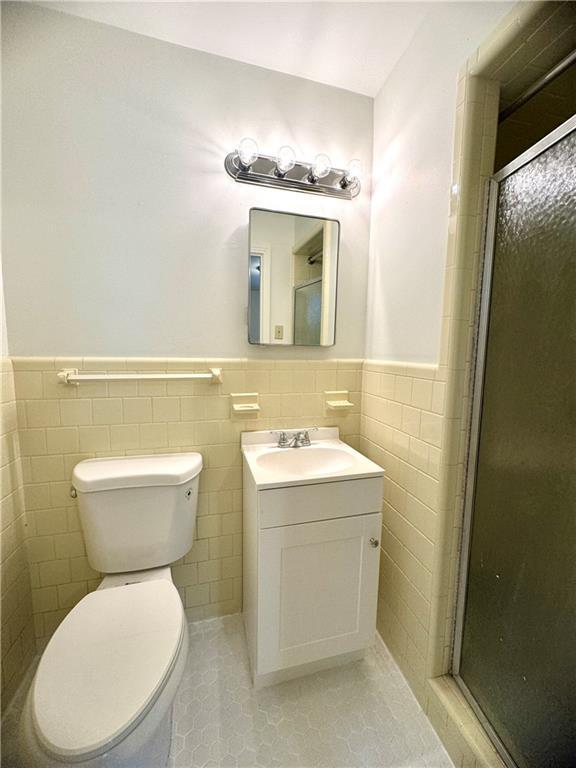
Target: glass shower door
x: 515, y: 651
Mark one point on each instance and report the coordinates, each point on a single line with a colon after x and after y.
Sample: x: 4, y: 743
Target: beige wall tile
x: 63, y: 425
x: 197, y: 595
x: 124, y: 436
x: 28, y: 385
x: 166, y: 409
x: 431, y: 428
x: 94, y: 438
x: 45, y: 522
x: 107, y: 410
x: 438, y: 396
x: 32, y: 442
x: 45, y: 599
x: 70, y: 594
x: 60, y: 493
x: 422, y: 394
x: 37, y: 496
x: 46, y: 468
x: 137, y: 410
x: 68, y: 545
x: 62, y: 440
x: 221, y: 590
x: 54, y: 572
x: 410, y: 420
x: 42, y: 413
x: 75, y: 412
x: 402, y: 389
x: 81, y: 570
x: 185, y: 575
x: 153, y: 436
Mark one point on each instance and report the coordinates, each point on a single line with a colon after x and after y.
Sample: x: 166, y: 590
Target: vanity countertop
x: 326, y: 460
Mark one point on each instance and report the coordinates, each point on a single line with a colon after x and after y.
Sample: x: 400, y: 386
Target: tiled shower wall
x: 401, y: 429
x: 63, y: 424
x: 18, y: 645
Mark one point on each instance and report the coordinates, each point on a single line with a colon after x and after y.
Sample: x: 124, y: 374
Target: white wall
x: 123, y: 235
x: 413, y: 138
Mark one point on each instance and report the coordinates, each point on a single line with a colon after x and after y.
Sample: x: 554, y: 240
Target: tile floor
x: 362, y: 714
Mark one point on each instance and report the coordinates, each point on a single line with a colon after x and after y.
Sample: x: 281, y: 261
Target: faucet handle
x: 283, y: 441
x: 306, y: 437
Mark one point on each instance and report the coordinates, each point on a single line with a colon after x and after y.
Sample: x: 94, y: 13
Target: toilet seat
x: 105, y: 666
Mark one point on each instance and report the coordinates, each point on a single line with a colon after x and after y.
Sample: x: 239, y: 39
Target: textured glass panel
x: 308, y: 313
x: 519, y: 639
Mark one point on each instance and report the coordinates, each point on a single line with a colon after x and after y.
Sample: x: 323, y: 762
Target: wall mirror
x: 293, y: 274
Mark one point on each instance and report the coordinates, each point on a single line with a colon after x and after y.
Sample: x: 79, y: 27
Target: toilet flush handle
x: 73, y: 492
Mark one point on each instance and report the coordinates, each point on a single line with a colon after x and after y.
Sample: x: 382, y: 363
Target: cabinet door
x: 318, y: 586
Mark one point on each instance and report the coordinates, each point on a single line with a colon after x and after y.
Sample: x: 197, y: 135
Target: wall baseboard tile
x: 459, y: 729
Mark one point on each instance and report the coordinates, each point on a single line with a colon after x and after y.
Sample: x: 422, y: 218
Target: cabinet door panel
x: 318, y: 590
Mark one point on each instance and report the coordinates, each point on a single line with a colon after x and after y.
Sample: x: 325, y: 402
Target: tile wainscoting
x: 61, y: 424
x: 401, y: 429
x: 18, y: 646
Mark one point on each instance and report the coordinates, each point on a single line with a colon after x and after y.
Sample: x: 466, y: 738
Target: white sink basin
x: 328, y: 459
x: 309, y: 461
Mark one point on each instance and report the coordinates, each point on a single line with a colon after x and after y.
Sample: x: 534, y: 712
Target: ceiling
x: 347, y: 44
x: 350, y: 45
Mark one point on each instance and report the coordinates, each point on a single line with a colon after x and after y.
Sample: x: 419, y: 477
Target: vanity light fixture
x: 247, y: 153
x: 285, y: 161
x: 320, y: 168
x: 352, y: 175
x: 283, y: 171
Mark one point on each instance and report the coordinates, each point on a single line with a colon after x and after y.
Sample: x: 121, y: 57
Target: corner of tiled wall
x: 511, y: 47
x: 18, y: 645
x: 402, y: 429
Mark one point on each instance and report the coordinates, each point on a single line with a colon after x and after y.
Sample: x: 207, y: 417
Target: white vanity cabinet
x: 311, y: 561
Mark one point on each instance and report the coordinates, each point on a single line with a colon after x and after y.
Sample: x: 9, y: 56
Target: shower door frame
x: 479, y: 365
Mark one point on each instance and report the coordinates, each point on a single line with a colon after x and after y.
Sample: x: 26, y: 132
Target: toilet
x: 103, y: 691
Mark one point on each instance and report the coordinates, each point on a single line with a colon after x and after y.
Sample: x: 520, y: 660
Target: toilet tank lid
x: 135, y: 471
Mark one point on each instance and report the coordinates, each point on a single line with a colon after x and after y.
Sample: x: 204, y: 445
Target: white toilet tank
x: 137, y: 512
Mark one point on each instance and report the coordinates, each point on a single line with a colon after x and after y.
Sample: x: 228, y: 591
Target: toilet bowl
x: 104, y: 688
x: 103, y: 692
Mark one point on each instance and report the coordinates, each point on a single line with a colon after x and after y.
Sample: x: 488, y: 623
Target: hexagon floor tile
x: 362, y: 715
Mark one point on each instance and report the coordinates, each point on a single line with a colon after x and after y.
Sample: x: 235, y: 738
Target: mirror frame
x: 302, y: 216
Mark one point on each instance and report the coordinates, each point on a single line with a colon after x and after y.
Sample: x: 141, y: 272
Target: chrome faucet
x: 283, y: 441
x: 298, y: 439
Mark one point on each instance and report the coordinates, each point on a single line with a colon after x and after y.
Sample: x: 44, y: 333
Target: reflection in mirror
x: 292, y: 277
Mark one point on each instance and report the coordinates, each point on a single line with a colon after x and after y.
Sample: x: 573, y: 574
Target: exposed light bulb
x: 285, y: 160
x: 352, y: 175
x: 320, y: 168
x: 247, y: 152
x: 354, y: 170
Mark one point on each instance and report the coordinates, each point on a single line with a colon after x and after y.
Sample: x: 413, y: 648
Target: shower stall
x: 515, y: 642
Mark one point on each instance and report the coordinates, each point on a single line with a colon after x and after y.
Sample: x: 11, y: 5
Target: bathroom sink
x: 309, y: 461
x: 327, y: 459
